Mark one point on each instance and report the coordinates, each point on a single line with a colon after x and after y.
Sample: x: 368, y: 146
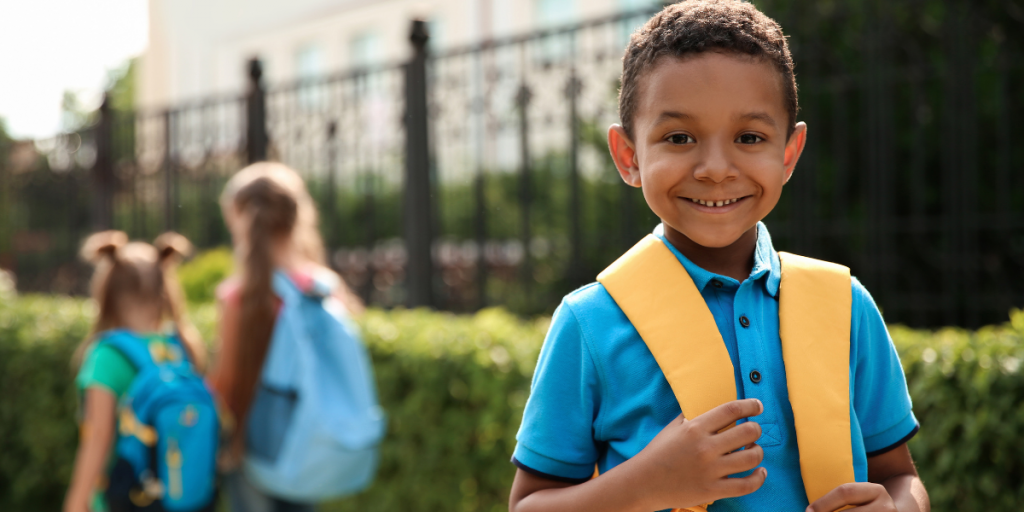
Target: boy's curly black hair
x: 696, y: 26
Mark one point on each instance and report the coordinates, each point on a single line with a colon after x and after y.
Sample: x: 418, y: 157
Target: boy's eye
x: 680, y: 138
x: 749, y: 138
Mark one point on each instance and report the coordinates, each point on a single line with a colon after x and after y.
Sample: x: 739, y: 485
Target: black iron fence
x: 479, y: 175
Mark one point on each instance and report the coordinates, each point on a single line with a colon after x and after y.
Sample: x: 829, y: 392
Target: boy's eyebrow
x: 672, y: 114
x: 759, y: 116
x: 749, y: 116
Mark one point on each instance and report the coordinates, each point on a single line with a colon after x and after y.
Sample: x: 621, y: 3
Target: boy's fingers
x: 744, y: 460
x: 741, y: 435
x: 846, y: 494
x: 728, y: 413
x: 732, y: 487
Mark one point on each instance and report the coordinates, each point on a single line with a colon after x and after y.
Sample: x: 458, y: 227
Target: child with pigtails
x: 136, y: 293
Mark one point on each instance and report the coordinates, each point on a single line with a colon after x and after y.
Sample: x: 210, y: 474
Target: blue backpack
x: 314, y: 425
x: 168, y: 431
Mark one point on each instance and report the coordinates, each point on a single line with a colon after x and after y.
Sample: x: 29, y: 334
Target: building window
x: 364, y: 50
x: 644, y: 8
x: 435, y: 27
x: 309, y: 62
x: 554, y: 13
x: 636, y: 5
x: 373, y: 106
x: 309, y: 65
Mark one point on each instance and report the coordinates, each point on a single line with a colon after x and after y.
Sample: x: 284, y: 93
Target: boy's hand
x: 689, y: 462
x: 860, y: 496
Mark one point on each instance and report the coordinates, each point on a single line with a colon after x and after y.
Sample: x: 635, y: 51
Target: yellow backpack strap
x: 658, y: 296
x: 815, y: 300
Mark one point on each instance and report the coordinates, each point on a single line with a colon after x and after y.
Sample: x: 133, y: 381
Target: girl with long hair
x: 135, y: 289
x: 273, y: 224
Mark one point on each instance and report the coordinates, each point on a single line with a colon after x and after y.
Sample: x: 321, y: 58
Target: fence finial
x: 419, y: 35
x: 256, y: 111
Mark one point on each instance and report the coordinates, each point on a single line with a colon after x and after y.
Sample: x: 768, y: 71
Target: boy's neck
x: 735, y: 260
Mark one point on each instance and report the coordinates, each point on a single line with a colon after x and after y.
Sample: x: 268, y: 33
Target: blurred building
x: 200, y: 47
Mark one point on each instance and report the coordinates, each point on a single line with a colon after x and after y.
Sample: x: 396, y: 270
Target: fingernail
x: 761, y: 405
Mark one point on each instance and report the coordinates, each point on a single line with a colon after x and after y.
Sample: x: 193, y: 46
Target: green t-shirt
x: 105, y: 367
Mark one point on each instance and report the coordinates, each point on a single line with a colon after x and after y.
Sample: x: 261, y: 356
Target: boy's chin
x: 713, y: 238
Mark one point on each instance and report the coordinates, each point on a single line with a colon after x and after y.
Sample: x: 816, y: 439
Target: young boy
x: 708, y: 108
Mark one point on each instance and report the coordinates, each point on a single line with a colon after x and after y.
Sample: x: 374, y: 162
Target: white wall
x: 200, y: 47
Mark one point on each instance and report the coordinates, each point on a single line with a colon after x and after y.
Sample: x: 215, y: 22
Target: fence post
x: 331, y: 198
x: 256, y: 115
x: 417, y: 208
x: 103, y: 169
x: 480, y: 193
x: 168, y: 171
x: 525, y: 186
x: 572, y: 93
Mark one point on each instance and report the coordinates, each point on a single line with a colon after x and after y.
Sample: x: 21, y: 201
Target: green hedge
x: 968, y: 392
x: 454, y: 388
x: 200, y: 276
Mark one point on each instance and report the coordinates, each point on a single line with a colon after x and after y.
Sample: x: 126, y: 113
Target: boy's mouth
x: 715, y: 203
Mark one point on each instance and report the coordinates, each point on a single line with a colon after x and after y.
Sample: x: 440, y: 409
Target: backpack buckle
x: 150, y: 491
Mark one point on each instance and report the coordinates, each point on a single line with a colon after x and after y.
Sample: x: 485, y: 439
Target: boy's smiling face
x: 709, y: 145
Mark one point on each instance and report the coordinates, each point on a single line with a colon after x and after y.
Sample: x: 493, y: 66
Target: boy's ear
x: 624, y: 155
x: 794, y: 147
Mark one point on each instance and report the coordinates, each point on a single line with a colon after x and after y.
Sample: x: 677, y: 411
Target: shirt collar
x: 766, y: 262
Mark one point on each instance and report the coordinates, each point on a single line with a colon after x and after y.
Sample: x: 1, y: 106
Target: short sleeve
x: 556, y: 438
x: 880, y: 397
x: 229, y: 290
x: 105, y: 367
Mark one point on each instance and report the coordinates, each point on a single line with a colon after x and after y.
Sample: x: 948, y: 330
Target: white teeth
x: 714, y: 204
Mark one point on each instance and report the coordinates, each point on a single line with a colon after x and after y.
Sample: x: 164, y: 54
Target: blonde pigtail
x: 172, y: 249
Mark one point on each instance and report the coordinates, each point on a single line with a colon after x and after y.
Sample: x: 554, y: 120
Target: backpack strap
x: 284, y: 287
x: 138, y: 354
x: 815, y: 303
x: 130, y: 346
x: 661, y: 301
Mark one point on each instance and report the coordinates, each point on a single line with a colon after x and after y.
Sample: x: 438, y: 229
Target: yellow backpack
x: 661, y: 301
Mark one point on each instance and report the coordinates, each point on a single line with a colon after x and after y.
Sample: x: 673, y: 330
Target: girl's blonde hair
x: 144, y: 274
x: 274, y: 200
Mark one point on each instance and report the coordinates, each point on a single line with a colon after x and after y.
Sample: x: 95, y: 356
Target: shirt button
x: 744, y: 321
x: 716, y: 283
x: 755, y: 376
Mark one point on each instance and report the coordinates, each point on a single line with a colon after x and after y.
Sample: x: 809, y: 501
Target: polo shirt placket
x: 742, y: 312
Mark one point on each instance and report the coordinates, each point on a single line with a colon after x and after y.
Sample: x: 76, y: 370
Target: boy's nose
x: 714, y: 164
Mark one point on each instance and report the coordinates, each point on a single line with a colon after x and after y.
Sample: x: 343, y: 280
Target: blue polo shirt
x: 599, y: 397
